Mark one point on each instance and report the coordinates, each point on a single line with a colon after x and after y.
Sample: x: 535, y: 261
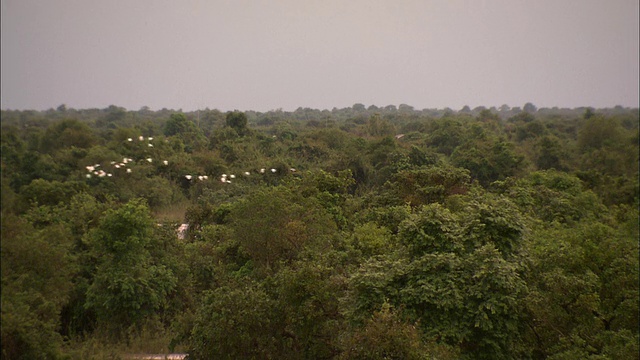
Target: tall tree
x: 238, y: 121
x: 128, y: 284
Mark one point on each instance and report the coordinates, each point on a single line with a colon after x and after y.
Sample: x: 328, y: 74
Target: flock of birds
x: 96, y: 169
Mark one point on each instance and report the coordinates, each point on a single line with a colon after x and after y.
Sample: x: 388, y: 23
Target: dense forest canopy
x: 355, y: 233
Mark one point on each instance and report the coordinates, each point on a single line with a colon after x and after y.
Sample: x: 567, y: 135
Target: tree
x: 487, y: 161
x: 128, y: 285
x: 186, y: 131
x: 67, y: 133
x: 522, y: 117
x: 504, y: 108
x: 461, y: 279
x: 583, y: 299
x: 405, y: 108
x: 380, y: 127
x: 529, y: 108
x: 550, y: 154
x: 531, y: 129
x: 486, y: 115
x: 387, y: 336
x: 238, y: 121
x: 178, y: 124
x: 51, y: 193
x: 426, y: 185
x: 37, y: 271
x: 358, y: 107
x: 445, y: 135
x: 555, y: 196
x: 599, y: 131
x: 273, y: 225
x: 307, y: 295
x: 248, y: 325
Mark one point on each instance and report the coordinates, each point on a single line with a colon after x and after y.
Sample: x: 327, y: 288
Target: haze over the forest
x: 262, y: 55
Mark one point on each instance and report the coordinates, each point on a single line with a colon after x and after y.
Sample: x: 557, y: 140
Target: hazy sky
x: 262, y: 55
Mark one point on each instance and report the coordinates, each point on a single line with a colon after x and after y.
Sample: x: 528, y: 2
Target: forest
x: 353, y: 233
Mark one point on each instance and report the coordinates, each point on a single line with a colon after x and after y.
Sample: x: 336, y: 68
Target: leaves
x: 442, y: 242
x: 128, y: 283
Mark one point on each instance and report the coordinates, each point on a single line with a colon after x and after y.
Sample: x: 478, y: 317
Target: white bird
x: 122, y: 164
x: 150, y: 138
x: 129, y: 139
x: 150, y: 145
x: 90, y: 168
x: 292, y: 170
x: 117, y: 166
x: 273, y: 170
x: 188, y: 177
x: 96, y: 173
x: 165, y: 162
x: 113, y: 162
x: 128, y: 170
x: 200, y: 177
x: 232, y: 176
x: 109, y: 174
x: 224, y: 175
x: 141, y: 138
x: 88, y: 176
x: 149, y: 159
x: 96, y: 165
x: 130, y: 159
x: 125, y: 160
x: 223, y: 179
x: 205, y: 177
x: 247, y: 173
x: 262, y: 171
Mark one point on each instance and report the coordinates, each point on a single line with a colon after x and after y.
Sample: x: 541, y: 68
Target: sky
x: 283, y: 54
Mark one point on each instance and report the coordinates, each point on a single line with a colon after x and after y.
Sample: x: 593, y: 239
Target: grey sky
x: 262, y: 55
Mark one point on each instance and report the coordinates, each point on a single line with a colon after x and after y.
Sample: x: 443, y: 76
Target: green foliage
x: 488, y: 161
x: 51, y: 193
x: 556, y: 196
x: 462, y: 280
x: 388, y: 216
x: 550, y: 154
x: 531, y: 129
x: 445, y: 135
x: 306, y: 294
x: 189, y: 135
x: 469, y: 237
x: 238, y: 121
x: 386, y: 336
x: 432, y: 229
x: 598, y: 131
x: 370, y: 240
x: 529, y: 108
x: 128, y: 284
x: 584, y: 292
x: 246, y: 325
x: 36, y: 280
x: 274, y: 225
x: 428, y: 184
x: 177, y: 124
x: 67, y: 133
x: 380, y: 127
